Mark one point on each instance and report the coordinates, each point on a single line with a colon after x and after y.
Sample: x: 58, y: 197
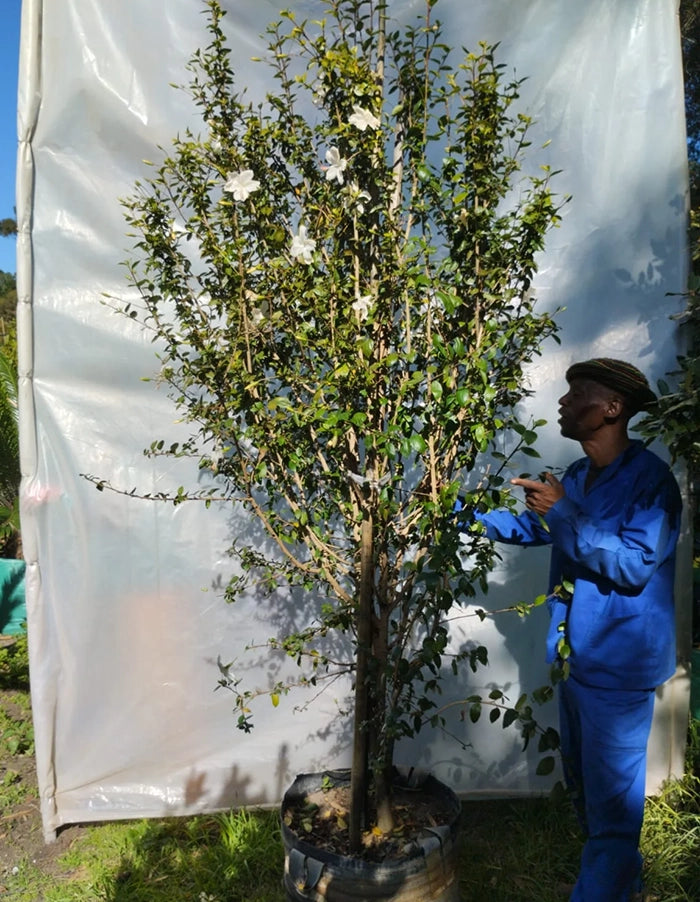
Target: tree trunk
x: 382, y: 746
x: 359, y: 781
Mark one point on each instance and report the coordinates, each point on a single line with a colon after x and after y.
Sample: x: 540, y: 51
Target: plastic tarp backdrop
x: 125, y: 608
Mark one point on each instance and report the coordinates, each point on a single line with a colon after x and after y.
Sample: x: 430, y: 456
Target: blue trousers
x: 604, y: 735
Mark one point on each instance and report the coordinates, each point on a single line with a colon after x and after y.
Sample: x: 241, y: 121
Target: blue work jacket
x: 616, y: 544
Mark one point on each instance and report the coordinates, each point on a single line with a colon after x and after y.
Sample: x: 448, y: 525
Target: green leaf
x: 436, y: 389
x: 546, y: 766
x: 563, y: 650
x: 510, y: 716
x: 479, y: 433
x: 418, y: 443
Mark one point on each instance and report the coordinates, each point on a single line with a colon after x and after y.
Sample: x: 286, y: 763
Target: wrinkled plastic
x: 126, y: 618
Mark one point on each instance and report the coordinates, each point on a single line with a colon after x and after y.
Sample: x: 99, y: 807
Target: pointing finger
x: 528, y: 484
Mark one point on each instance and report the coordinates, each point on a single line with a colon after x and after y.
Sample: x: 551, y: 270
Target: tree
x: 678, y: 413
x: 10, y: 473
x: 8, y: 316
x: 8, y: 227
x: 338, y: 280
x: 690, y: 41
x: 8, y: 298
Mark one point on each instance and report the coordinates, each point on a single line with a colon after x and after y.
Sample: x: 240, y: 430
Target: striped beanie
x: 622, y: 377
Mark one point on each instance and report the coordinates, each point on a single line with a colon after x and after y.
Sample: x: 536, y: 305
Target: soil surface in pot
x: 321, y: 819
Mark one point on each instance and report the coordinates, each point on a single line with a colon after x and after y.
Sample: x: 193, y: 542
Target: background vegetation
x: 8, y: 299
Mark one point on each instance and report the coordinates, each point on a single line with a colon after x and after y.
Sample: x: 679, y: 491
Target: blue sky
x: 9, y: 54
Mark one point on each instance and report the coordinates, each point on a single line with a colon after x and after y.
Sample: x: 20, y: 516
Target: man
x: 613, y: 523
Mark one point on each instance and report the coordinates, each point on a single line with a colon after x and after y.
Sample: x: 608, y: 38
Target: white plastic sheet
x: 126, y: 618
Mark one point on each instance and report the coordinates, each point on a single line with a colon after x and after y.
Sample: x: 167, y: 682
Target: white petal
x: 363, y: 118
x: 241, y: 184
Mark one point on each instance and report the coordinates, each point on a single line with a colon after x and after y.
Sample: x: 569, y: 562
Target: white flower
x: 431, y: 300
x: 321, y: 90
x: 362, y: 118
x: 302, y: 246
x: 362, y: 306
x: 359, y: 197
x: 178, y: 229
x: 241, y: 184
x: 336, y: 165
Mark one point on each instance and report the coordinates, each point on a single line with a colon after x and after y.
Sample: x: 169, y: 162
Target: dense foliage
x: 10, y: 474
x: 677, y: 416
x: 8, y: 316
x: 678, y: 413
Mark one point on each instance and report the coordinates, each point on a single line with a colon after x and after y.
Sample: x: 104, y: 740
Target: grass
x: 16, y: 731
x: 511, y: 851
x: 12, y: 790
x: 14, y: 665
x: 671, y: 837
x: 235, y: 857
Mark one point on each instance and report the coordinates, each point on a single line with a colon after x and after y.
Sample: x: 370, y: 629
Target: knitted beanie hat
x: 619, y: 375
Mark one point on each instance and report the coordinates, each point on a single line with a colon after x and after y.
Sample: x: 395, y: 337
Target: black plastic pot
x: 426, y: 872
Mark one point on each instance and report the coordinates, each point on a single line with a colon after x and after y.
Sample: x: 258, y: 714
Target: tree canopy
x: 8, y: 227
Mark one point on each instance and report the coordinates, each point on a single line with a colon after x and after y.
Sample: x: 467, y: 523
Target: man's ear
x: 614, y: 407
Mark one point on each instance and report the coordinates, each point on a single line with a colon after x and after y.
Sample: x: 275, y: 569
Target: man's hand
x: 540, y: 496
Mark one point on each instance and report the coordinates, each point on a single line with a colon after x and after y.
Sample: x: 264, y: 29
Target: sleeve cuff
x: 564, y: 509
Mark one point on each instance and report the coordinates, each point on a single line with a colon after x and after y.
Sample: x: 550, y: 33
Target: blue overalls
x: 616, y: 544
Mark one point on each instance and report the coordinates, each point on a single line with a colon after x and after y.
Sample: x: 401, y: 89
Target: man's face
x: 584, y: 409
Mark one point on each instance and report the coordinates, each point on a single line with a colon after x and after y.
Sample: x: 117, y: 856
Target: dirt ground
x: 21, y: 833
